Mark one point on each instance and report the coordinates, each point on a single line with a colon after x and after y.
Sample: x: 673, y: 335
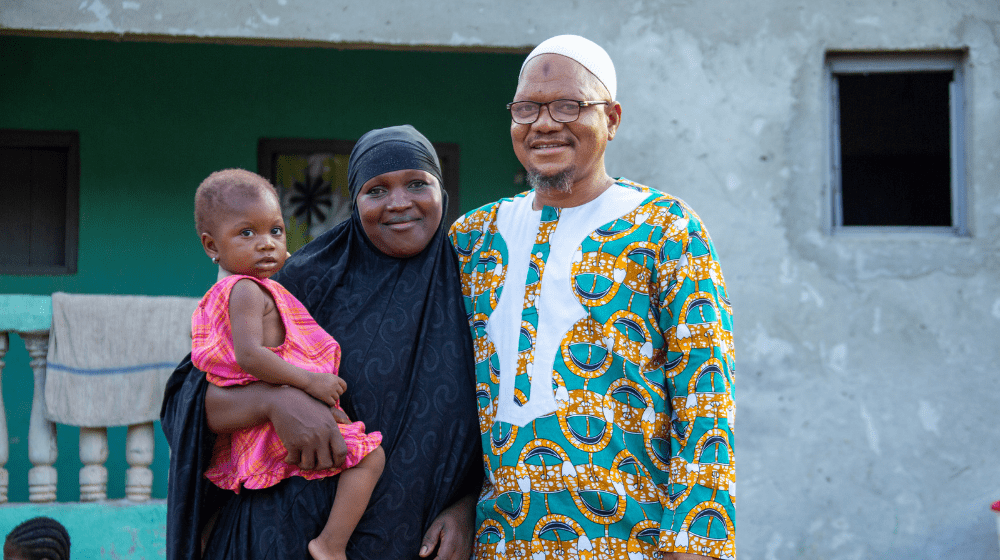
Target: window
x: 897, y: 158
x: 39, y: 201
x: 311, y: 178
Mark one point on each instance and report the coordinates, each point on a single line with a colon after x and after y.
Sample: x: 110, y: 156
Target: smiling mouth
x: 400, y: 222
x: 548, y: 144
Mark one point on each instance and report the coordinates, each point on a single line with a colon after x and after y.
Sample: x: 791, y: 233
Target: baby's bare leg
x: 353, y: 492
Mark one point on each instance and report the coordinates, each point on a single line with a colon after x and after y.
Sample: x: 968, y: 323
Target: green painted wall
x: 155, y: 119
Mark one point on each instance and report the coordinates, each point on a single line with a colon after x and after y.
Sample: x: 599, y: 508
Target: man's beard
x: 561, y: 182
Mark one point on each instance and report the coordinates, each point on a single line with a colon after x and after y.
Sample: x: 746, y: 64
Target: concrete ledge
x: 25, y: 313
x: 116, y: 529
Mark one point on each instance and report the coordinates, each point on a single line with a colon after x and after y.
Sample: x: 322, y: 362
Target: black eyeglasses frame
x: 582, y: 105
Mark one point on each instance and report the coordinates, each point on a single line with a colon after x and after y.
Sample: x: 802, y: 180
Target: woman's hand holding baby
x: 340, y: 416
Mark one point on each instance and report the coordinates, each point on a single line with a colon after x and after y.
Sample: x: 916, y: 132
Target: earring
x: 215, y: 260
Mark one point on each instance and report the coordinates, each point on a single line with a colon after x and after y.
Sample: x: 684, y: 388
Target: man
x: 603, y: 340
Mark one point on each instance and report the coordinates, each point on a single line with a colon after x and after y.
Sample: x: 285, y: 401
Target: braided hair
x: 39, y: 538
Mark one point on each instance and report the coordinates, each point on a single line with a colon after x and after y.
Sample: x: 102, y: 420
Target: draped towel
x: 110, y: 356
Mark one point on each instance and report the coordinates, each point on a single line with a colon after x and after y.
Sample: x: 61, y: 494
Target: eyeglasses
x: 561, y: 110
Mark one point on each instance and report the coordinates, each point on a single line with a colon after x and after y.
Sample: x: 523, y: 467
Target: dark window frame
x: 48, y: 139
x: 852, y: 62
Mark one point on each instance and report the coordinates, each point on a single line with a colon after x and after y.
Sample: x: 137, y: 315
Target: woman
x: 385, y: 284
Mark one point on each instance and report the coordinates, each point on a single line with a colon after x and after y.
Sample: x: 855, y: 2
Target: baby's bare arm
x: 248, y: 303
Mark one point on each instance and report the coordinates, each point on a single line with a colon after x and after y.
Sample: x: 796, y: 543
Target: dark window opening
x: 39, y: 200
x: 895, y: 149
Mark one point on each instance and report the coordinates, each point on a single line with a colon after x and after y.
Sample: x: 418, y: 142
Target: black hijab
x: 385, y: 150
x: 408, y: 362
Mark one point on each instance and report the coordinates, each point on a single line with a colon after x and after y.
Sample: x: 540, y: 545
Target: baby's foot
x: 319, y: 551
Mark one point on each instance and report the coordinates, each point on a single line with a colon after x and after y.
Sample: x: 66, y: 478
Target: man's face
x: 549, y: 148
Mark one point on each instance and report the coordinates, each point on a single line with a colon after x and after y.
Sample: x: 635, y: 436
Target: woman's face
x: 400, y: 211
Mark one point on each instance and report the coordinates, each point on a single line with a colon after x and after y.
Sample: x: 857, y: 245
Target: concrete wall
x: 868, y: 364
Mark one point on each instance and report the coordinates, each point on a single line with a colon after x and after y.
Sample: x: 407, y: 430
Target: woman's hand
x: 452, y: 532
x: 307, y: 429
x: 339, y: 415
x: 304, y: 425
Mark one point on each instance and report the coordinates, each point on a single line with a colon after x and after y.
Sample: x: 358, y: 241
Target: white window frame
x: 887, y: 62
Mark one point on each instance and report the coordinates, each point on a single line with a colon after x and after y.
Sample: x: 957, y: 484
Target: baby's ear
x: 209, y: 245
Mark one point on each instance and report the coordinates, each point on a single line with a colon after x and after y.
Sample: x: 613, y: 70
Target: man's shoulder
x: 475, y: 219
x: 658, y: 202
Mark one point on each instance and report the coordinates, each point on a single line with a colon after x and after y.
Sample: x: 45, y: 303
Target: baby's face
x: 250, y: 236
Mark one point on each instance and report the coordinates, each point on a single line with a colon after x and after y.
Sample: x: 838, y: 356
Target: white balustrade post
x: 139, y: 455
x: 4, y: 443
x: 93, y: 454
x: 42, y: 448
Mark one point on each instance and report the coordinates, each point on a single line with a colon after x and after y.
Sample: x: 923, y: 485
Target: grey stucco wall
x: 867, y: 364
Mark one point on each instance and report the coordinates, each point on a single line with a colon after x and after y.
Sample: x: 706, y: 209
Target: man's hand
x: 307, y: 429
x: 452, y: 532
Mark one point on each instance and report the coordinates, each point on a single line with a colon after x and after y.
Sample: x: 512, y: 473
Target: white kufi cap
x: 589, y: 54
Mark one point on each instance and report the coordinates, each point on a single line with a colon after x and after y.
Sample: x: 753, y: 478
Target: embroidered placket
x: 529, y: 313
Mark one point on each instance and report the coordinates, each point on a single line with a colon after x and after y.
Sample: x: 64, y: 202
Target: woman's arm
x: 306, y: 427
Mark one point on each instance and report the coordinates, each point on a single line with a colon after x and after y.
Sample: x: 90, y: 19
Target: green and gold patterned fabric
x: 605, y: 368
